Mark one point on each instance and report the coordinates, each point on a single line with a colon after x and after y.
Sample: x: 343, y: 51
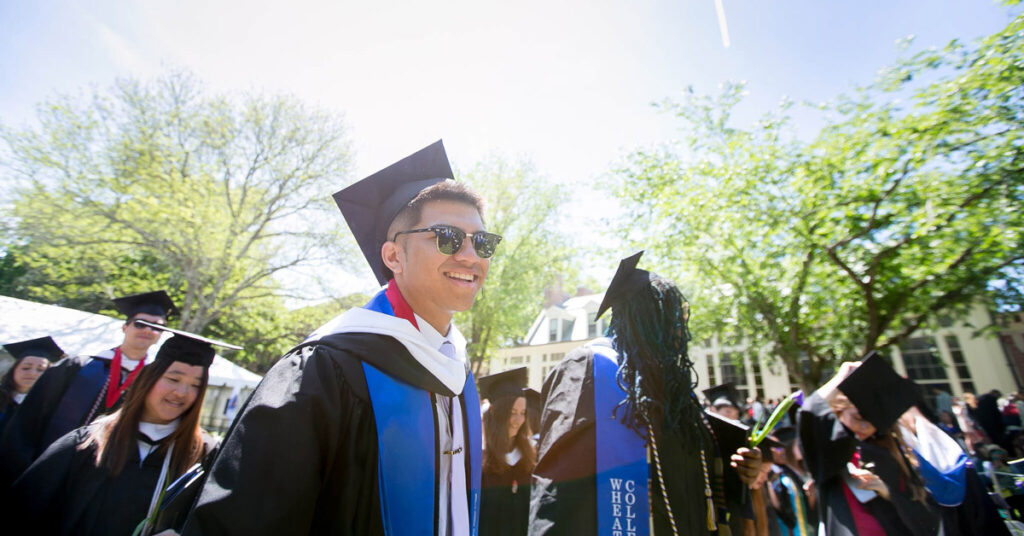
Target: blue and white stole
x: 622, y: 499
x: 407, y: 446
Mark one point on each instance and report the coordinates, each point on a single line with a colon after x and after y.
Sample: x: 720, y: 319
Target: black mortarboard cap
x: 41, y: 347
x: 187, y: 347
x: 732, y: 435
x: 156, y: 303
x: 722, y: 393
x: 532, y: 399
x: 509, y: 382
x: 627, y: 280
x: 370, y: 205
x: 880, y: 394
x: 533, y: 407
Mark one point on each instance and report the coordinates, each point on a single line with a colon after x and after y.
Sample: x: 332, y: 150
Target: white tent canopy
x: 78, y: 332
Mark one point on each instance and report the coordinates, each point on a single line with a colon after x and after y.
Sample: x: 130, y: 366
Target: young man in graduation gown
x: 371, y: 426
x: 621, y: 424
x: 75, y: 391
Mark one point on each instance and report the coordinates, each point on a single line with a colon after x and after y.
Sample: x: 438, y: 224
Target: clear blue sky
x: 567, y: 84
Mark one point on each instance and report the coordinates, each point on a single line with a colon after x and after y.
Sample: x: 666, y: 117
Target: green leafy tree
x: 160, y: 185
x: 896, y: 212
x: 523, y: 208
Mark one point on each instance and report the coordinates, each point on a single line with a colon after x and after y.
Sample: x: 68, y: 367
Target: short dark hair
x: 442, y: 191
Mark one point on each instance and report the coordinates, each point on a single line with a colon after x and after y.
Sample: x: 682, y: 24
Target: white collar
x: 156, y: 432
x: 126, y: 363
x: 432, y: 335
x: 450, y: 372
x: 514, y: 456
x: 19, y: 397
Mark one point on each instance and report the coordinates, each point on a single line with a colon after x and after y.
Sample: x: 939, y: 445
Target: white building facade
x: 955, y: 358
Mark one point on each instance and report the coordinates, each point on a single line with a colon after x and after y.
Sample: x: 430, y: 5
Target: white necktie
x: 458, y: 519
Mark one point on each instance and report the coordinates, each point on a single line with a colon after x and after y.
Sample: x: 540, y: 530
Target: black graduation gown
x: 23, y: 439
x: 827, y: 447
x: 505, y: 501
x: 7, y: 414
x: 63, y: 492
x: 563, y: 499
x: 977, y: 514
x: 301, y: 457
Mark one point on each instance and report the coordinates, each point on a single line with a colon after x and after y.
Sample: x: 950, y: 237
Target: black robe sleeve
x: 21, y: 442
x: 300, y: 458
x: 564, y: 485
x: 37, y: 498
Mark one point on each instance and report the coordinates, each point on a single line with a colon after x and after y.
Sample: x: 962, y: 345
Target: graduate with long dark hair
x: 608, y: 409
x: 508, y: 455
x: 865, y: 476
x: 102, y: 479
x: 32, y: 358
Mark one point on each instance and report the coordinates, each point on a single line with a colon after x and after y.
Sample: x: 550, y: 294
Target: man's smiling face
x: 437, y: 285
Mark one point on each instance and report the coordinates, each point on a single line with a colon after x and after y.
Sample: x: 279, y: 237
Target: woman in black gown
x: 508, y: 458
x: 32, y: 358
x: 102, y: 478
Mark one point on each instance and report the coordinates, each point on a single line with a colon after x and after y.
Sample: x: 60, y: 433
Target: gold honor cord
x: 661, y: 480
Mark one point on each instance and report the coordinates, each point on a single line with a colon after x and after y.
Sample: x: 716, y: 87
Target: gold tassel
x: 712, y: 523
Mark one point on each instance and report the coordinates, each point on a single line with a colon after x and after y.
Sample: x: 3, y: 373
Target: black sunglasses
x: 449, y: 239
x: 141, y: 325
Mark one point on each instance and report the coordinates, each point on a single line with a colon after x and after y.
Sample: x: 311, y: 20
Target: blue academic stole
x: 76, y: 403
x: 407, y: 447
x: 949, y: 488
x: 622, y: 501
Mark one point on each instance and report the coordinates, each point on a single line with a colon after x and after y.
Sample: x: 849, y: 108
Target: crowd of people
x: 375, y: 424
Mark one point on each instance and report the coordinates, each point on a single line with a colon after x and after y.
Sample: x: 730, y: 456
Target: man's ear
x: 124, y: 328
x: 393, y: 256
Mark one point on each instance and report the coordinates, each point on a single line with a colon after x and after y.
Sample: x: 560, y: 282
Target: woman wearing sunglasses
x: 104, y: 478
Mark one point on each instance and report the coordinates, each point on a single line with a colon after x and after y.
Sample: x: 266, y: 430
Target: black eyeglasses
x: 449, y: 240
x: 141, y: 325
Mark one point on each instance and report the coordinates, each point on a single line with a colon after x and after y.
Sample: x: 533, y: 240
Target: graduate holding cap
x: 865, y: 477
x: 31, y: 359
x: 104, y: 478
x: 77, y: 390
x: 621, y: 413
x: 508, y: 456
x: 372, y: 425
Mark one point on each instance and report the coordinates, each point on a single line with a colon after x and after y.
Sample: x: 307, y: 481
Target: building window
x: 592, y: 325
x: 758, y: 383
x: 515, y: 360
x: 711, y: 370
x: 921, y: 358
x: 567, y: 329
x: 957, y: 353
x: 553, y: 330
x: 556, y: 357
x: 735, y: 372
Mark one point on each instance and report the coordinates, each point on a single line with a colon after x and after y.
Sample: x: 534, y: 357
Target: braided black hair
x: 649, y: 331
